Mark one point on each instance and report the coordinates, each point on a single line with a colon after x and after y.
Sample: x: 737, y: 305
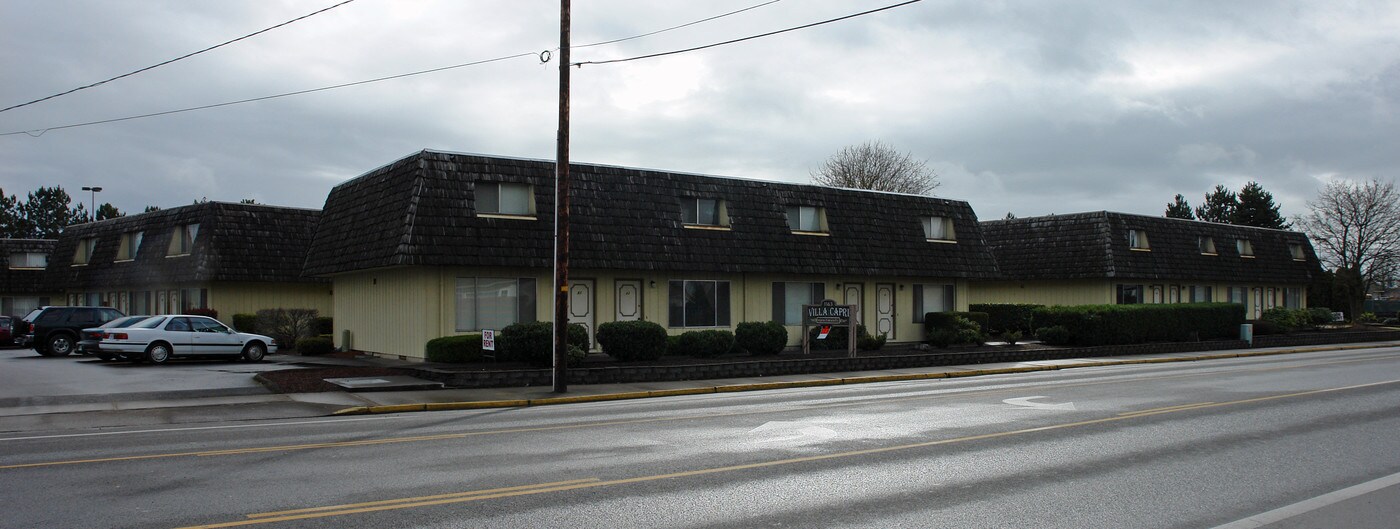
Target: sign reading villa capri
x: 827, y: 315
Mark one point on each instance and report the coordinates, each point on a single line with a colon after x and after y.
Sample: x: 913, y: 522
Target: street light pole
x: 93, y: 203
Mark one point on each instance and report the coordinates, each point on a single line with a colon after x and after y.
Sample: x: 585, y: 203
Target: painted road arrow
x: 1025, y: 402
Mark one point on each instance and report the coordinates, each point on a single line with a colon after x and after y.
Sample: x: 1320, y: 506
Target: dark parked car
x: 53, y: 331
x: 7, y: 330
x: 87, y: 343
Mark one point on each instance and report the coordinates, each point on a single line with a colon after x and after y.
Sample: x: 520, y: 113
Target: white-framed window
x: 933, y: 297
x: 130, y: 244
x: 182, y: 240
x: 1207, y: 245
x: 1296, y: 250
x: 1238, y: 295
x: 1245, y: 247
x: 505, y: 198
x: 704, y: 212
x: 1201, y: 294
x: 83, y: 254
x: 29, y: 260
x: 806, y: 219
x: 789, y: 297
x: 699, y: 303
x: 939, y: 229
x: 1129, y: 294
x: 494, y: 302
x: 1137, y: 240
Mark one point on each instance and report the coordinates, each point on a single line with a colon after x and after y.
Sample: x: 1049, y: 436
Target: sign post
x: 828, y: 315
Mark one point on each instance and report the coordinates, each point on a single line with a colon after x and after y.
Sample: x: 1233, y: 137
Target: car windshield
x: 150, y: 323
x: 126, y: 321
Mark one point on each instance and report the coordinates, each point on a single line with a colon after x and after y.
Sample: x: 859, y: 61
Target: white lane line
x: 197, y: 428
x: 1289, y: 511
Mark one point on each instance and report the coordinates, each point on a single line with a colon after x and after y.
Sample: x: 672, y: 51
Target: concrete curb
x: 762, y: 386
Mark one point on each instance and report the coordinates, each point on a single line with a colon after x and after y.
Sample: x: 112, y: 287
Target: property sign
x: 488, y: 340
x: 825, y: 316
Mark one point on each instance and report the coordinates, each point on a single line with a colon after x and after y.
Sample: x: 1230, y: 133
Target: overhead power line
x: 752, y: 37
x: 185, y: 56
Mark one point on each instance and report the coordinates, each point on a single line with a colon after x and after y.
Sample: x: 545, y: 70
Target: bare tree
x: 1357, y: 229
x: 874, y: 165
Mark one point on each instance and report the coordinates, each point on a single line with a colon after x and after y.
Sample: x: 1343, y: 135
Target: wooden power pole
x: 561, y: 214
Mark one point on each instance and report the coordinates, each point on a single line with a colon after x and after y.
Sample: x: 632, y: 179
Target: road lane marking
x: 1178, y: 407
x: 953, y: 393
x: 1312, y: 504
x: 199, y: 428
x: 405, y: 503
x: 419, y: 498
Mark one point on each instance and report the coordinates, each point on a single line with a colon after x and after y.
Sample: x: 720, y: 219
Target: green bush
x: 1286, y: 319
x: 761, y: 338
x: 1053, y: 335
x: 1011, y: 337
x: 673, y: 344
x: 1319, y: 316
x: 1002, y: 317
x: 245, y: 323
x: 948, y: 320
x: 836, y: 339
x: 533, y: 342
x: 315, y: 345
x: 1266, y: 327
x: 705, y: 344
x: 1129, y: 324
x: 460, y: 349
x: 1366, y: 317
x: 962, y: 331
x: 866, y: 342
x: 323, y: 325
x: 632, y: 340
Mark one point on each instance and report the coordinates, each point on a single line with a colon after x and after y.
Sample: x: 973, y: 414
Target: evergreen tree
x: 108, y: 211
x: 79, y: 215
x: 12, y: 225
x: 1179, y: 209
x: 47, y: 211
x: 1220, y: 206
x: 1256, y: 208
x: 150, y: 209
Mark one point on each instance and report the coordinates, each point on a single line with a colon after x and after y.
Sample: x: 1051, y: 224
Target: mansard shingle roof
x: 1095, y: 245
x: 235, y: 242
x: 22, y: 281
x: 420, y: 210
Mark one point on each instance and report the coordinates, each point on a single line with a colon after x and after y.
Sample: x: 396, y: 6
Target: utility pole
x: 561, y: 214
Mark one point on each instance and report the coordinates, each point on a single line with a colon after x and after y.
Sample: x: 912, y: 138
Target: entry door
x: 581, y: 305
x: 628, y: 300
x: 1157, y: 294
x: 1174, y: 294
x: 1258, y: 309
x: 853, y: 296
x: 884, y: 309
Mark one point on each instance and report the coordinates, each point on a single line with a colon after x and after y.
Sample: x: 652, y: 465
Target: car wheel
x: 254, y: 352
x: 158, y: 353
x: 60, y: 345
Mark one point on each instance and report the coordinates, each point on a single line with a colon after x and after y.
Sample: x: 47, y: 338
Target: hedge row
x: 1129, y: 324
x: 1003, y: 317
x: 532, y: 343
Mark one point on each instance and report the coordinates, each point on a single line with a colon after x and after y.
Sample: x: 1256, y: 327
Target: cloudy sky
x: 1031, y: 107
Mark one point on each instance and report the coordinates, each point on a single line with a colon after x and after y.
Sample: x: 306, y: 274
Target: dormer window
x: 83, y: 253
x: 182, y: 240
x: 1245, y: 248
x: 29, y: 261
x: 1137, y: 240
x: 130, y: 244
x: 1296, y: 250
x: 1206, y: 244
x: 809, y: 220
x: 939, y: 229
x: 704, y: 212
x: 505, y: 198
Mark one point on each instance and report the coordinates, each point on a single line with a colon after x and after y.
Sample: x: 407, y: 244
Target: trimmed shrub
x: 705, y: 344
x: 323, y: 325
x: 963, y: 331
x: 1011, y: 337
x: 245, y: 322
x: 866, y: 342
x: 1319, y: 316
x: 1003, y: 317
x: 1129, y: 324
x: 315, y: 345
x: 1287, y: 319
x: 1266, y: 327
x: 673, y: 345
x: 632, y: 340
x: 533, y: 342
x: 459, y: 349
x: 948, y: 320
x: 836, y: 339
x: 203, y: 312
x: 1053, y: 335
x: 761, y: 338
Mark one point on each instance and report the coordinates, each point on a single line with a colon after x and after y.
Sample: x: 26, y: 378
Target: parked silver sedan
x: 160, y: 338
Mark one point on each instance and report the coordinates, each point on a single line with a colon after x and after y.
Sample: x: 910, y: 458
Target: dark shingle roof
x: 420, y: 210
x: 236, y: 242
x: 1095, y: 245
x: 22, y: 281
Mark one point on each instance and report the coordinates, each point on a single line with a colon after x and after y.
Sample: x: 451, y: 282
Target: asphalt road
x: 1197, y: 444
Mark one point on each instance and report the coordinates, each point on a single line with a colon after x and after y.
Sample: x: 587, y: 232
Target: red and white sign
x: 488, y: 340
x: 825, y: 331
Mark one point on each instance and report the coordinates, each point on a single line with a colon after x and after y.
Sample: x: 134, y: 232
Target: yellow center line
x: 462, y: 435
x: 444, y: 499
x: 468, y: 495
x: 1166, y: 408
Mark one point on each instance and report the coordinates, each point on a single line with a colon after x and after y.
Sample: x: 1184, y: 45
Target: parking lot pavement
x: 25, y: 376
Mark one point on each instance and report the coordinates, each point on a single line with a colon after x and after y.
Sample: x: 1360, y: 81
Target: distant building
x: 1105, y: 258
x: 232, y: 258
x: 438, y: 243
x: 22, y: 286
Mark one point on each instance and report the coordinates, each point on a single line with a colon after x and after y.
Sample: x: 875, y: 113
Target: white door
x: 852, y: 296
x: 1258, y: 309
x: 884, y: 310
x: 628, y: 300
x: 581, y: 305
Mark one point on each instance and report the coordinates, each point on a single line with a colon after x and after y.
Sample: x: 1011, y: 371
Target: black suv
x: 53, y: 331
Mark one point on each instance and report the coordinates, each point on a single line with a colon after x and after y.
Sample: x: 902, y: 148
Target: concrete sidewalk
x: 344, y: 403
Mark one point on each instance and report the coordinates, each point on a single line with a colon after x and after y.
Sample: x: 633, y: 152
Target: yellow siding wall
x: 392, y: 312
x: 1075, y: 292
x: 248, y: 298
